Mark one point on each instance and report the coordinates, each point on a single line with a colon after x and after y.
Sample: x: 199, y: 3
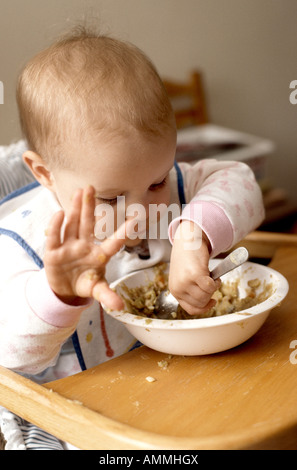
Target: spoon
x: 166, y: 303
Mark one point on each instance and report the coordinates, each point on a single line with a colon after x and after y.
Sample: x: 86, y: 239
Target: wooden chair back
x: 188, y: 100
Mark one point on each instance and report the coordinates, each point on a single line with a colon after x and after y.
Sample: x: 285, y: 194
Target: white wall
x: 247, y: 50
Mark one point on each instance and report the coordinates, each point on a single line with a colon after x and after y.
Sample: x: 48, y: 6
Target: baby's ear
x: 39, y: 168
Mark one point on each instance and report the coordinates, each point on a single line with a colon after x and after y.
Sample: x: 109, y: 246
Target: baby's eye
x: 155, y: 187
x: 112, y: 201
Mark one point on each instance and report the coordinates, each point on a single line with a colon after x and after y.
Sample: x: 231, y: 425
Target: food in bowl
x: 141, y: 300
x: 194, y: 337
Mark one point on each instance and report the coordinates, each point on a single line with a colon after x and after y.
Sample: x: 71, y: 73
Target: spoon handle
x: 233, y: 260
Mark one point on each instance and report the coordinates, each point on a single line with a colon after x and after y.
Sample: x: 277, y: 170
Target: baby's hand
x: 75, y: 267
x: 189, y: 279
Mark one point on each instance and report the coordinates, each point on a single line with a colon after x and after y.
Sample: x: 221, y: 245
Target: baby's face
x: 128, y: 173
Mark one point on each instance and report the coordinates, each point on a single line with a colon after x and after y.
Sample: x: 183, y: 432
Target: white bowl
x: 204, y: 335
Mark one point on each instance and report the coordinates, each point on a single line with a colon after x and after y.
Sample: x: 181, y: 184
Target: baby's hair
x: 86, y: 83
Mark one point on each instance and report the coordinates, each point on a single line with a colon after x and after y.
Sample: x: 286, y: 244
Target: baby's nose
x: 138, y: 209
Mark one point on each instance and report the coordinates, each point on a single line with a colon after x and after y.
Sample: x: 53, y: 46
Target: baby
x: 101, y: 141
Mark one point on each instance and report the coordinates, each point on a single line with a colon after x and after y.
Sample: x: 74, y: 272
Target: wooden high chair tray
x: 244, y: 398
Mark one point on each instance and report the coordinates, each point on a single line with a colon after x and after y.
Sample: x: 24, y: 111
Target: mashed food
x: 142, y: 300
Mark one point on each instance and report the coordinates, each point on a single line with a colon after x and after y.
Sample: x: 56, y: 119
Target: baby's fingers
x: 53, y: 232
x: 196, y: 298
x: 207, y: 284
x: 87, y: 218
x: 106, y: 296
x: 73, y: 216
x: 193, y: 309
x: 114, y: 243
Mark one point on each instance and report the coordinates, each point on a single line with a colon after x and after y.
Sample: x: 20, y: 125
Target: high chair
x: 188, y: 100
x: 244, y: 398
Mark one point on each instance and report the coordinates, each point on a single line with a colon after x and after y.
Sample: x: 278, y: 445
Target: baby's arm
x: 40, y: 309
x: 225, y: 205
x: 189, y: 279
x: 224, y: 199
x: 34, y: 323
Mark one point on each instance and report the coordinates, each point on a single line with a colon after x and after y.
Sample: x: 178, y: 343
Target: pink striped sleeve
x: 212, y: 220
x: 225, y: 201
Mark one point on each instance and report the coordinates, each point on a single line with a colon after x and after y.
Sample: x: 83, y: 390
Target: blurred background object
x: 244, y: 50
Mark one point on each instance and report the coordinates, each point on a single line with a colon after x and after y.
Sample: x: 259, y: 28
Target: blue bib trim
x: 38, y: 261
x: 136, y: 345
x: 180, y: 184
x: 15, y: 236
x: 77, y: 349
x: 20, y: 191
